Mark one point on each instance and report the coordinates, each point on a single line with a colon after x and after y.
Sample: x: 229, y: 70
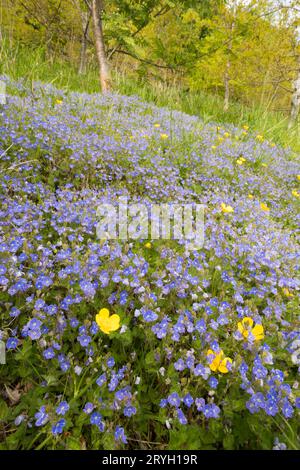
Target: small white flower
x: 77, y: 370
x: 137, y: 380
x: 123, y: 329
x: 19, y: 419
x: 162, y: 371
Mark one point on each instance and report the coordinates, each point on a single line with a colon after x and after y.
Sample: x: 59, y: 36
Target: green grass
x: 32, y: 65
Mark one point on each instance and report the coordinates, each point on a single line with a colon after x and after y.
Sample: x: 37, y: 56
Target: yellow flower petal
x: 223, y: 365
x: 211, y: 355
x: 247, y: 321
x: 114, y: 322
x: 258, y: 332
x: 226, y: 209
x: 106, y: 323
x: 104, y: 313
x: 264, y: 207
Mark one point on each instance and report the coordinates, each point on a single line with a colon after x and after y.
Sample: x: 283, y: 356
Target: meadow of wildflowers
x: 143, y: 343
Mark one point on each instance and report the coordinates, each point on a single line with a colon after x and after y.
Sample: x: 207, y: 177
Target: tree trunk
x: 84, y: 40
x: 104, y: 73
x: 295, y: 102
x: 227, y: 77
x: 227, y: 87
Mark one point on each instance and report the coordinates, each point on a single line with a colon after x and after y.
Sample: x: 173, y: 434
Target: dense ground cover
x: 206, y: 351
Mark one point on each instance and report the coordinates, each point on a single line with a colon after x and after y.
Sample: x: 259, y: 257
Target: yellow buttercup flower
x: 264, y: 207
x: 226, y: 134
x: 260, y: 138
x: 59, y: 101
x: 295, y: 193
x: 218, y: 361
x: 213, y: 147
x: 240, y: 160
x: 156, y: 124
x: 287, y: 293
x: 298, y: 177
x: 148, y: 245
x: 250, y: 196
x: 106, y: 322
x: 226, y: 209
x: 164, y: 136
x: 245, y: 127
x: 220, y: 139
x: 246, y: 326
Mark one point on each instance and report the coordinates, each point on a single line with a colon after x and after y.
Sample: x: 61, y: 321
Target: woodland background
x: 224, y: 60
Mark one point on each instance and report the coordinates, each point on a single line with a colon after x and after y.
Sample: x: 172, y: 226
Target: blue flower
x: 84, y: 340
x: 200, y: 404
x: 101, y: 380
x: 110, y: 362
x: 120, y: 435
x: 58, y: 427
x: 181, y: 417
x: 188, y: 400
x: 62, y: 408
x: 287, y: 409
x: 180, y: 365
x: 34, y: 324
x: 12, y: 343
x: 41, y: 417
x: 271, y: 407
x: 49, y: 353
x: 149, y: 316
x: 213, y: 382
x: 129, y: 411
x: 96, y: 418
x: 88, y: 408
x: 163, y: 403
x: 201, y: 326
x: 174, y: 399
x: 34, y: 334
x: 211, y: 411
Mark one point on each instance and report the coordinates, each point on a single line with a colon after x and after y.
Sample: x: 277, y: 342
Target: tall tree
x: 85, y: 19
x: 96, y: 8
x: 295, y: 101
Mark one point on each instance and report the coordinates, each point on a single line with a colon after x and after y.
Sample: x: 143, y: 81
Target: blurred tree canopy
x: 245, y: 50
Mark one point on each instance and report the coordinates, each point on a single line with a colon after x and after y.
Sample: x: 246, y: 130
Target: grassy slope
x: 32, y: 66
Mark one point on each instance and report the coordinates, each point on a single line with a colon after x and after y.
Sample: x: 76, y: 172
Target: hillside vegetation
x: 144, y: 343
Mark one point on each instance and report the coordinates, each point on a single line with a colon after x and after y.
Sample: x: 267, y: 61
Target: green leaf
x: 4, y: 410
